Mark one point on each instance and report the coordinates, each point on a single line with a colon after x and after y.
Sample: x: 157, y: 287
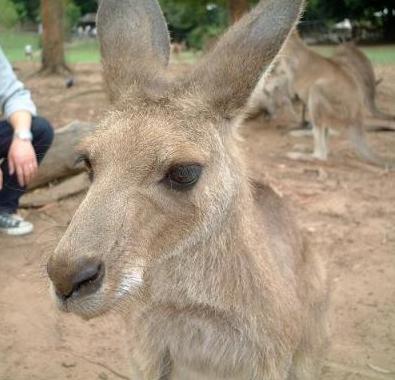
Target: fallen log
x: 46, y: 195
x: 60, y: 160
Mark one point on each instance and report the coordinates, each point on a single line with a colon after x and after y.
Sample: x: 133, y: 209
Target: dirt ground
x: 346, y: 207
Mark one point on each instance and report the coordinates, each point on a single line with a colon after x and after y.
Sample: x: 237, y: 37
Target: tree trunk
x: 60, y: 161
x: 237, y: 8
x: 52, y: 194
x: 53, y: 60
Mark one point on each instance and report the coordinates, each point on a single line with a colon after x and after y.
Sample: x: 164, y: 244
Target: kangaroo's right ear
x: 228, y: 75
x: 134, y: 42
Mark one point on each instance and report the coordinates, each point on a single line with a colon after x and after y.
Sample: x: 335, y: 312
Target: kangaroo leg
x: 304, y: 123
x: 318, y: 106
x: 321, y: 134
x: 301, y: 133
x: 321, y: 150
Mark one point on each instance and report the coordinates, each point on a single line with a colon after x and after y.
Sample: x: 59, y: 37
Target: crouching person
x: 24, y: 140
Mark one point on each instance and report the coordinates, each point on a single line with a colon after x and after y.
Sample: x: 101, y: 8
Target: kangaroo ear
x: 227, y: 76
x: 134, y: 42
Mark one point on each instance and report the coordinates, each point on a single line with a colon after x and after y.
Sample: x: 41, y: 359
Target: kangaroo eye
x: 183, y: 177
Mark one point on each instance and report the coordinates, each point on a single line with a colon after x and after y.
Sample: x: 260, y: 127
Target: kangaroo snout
x: 74, y: 281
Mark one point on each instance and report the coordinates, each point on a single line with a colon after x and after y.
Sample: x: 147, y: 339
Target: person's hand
x: 22, y: 161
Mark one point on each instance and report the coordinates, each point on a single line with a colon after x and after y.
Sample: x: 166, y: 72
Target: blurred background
x: 194, y: 25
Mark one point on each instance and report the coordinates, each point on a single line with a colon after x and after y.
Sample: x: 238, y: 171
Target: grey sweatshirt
x: 13, y: 95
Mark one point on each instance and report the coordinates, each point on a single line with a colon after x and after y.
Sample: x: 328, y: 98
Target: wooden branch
x: 67, y: 188
x: 60, y: 160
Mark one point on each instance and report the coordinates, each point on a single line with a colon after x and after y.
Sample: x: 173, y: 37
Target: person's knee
x: 42, y: 131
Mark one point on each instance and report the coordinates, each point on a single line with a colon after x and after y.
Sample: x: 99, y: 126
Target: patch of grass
x: 379, y: 54
x: 14, y: 42
x: 86, y: 51
x: 189, y: 57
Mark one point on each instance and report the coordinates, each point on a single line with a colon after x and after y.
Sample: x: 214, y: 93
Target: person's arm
x: 13, y: 94
x: 21, y: 156
x: 18, y: 108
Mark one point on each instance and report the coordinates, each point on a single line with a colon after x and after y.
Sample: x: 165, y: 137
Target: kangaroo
x: 333, y: 99
x: 358, y: 65
x: 209, y: 270
x: 272, y: 93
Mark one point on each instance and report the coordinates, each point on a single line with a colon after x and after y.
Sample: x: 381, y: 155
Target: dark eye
x: 183, y: 177
x: 85, y: 161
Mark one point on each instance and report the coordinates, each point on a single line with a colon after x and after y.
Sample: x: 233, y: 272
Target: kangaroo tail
x: 357, y: 137
x: 383, y: 115
x: 379, y: 124
x: 374, y: 111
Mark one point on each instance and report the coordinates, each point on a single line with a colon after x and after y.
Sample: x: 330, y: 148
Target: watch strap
x: 24, y: 135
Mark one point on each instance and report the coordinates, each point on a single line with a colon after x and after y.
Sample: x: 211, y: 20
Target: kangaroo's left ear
x: 225, y: 79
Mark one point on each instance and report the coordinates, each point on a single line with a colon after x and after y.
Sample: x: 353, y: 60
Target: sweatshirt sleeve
x: 13, y: 94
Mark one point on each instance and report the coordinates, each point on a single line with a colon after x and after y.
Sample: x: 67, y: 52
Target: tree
x: 72, y: 14
x: 8, y: 14
x: 53, y: 59
x: 28, y: 10
x: 378, y: 13
x: 237, y: 8
x: 86, y: 6
x: 194, y: 21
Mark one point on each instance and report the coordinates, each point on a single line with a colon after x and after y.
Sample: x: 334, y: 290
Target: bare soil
x: 346, y: 207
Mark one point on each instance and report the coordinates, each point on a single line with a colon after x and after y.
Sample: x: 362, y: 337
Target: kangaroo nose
x: 85, y: 278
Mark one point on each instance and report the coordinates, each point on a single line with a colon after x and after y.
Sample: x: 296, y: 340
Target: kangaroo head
x: 164, y: 163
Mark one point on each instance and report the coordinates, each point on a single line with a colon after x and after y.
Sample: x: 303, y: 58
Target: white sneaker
x: 14, y: 225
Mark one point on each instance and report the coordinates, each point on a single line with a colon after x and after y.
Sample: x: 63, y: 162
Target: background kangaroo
x: 272, y: 93
x: 210, y: 271
x: 333, y: 98
x: 359, y: 66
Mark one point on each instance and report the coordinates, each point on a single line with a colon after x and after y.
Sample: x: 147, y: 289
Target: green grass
x: 83, y: 52
x: 13, y: 44
x: 189, y: 57
x: 379, y: 54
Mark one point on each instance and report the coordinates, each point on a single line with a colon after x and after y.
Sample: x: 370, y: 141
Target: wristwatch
x: 23, y: 135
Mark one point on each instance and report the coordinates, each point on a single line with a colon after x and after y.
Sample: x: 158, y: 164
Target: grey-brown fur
x: 360, y: 67
x: 333, y: 96
x: 216, y: 282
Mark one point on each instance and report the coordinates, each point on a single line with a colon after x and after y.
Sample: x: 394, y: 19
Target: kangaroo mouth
x: 94, y: 296
x: 87, y: 301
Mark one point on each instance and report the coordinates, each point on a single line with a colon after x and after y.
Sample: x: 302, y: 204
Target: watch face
x: 24, y: 135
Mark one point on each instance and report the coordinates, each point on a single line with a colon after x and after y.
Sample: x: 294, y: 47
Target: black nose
x: 85, y: 278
